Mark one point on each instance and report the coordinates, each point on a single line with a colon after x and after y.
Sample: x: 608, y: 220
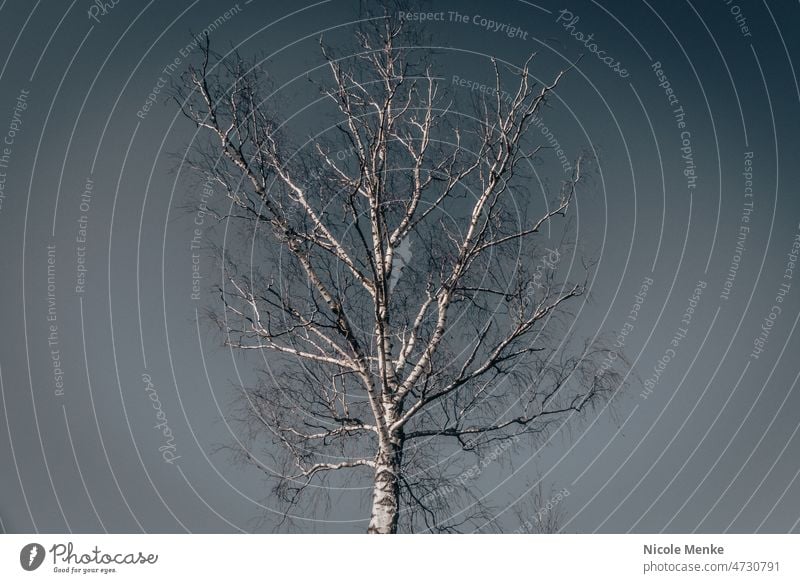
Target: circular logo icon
x: 31, y: 556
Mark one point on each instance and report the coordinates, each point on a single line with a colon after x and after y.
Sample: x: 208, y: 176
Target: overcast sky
x: 690, y: 109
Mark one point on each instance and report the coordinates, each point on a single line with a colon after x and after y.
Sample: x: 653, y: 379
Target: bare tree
x: 539, y: 512
x: 395, y: 274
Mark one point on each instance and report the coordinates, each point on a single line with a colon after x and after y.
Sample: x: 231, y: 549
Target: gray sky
x: 709, y: 443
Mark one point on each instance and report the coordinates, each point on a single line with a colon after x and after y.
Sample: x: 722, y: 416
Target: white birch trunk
x: 386, y: 491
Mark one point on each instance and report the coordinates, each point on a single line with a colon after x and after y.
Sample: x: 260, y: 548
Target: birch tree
x: 392, y: 276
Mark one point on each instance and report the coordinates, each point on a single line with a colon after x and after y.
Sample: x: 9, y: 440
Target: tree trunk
x: 386, y: 491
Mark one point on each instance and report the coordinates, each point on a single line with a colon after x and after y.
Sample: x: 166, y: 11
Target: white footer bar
x: 401, y: 558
